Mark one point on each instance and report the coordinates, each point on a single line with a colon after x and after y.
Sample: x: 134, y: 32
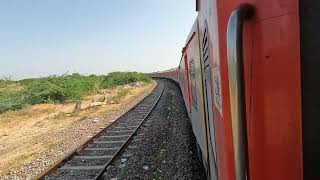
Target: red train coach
x: 249, y: 74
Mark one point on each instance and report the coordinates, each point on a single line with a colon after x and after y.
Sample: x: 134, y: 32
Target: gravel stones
x: 167, y: 149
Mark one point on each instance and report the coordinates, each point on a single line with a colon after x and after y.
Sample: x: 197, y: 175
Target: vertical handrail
x: 236, y: 87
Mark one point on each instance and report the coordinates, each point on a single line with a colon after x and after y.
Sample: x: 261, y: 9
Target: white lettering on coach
x: 217, y: 89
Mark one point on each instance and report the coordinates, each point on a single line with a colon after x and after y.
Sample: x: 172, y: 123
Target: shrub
x: 59, y: 89
x: 52, y: 90
x: 28, y: 81
x: 11, y: 101
x: 121, y: 78
x: 87, y: 83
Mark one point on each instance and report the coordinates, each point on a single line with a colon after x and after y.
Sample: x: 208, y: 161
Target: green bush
x: 121, y: 78
x: 11, y: 101
x: 26, y: 82
x: 59, y: 89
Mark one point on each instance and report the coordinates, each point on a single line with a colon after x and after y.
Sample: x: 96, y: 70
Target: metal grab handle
x: 236, y: 87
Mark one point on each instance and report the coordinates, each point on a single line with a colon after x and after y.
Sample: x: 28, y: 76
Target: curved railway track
x: 92, y: 159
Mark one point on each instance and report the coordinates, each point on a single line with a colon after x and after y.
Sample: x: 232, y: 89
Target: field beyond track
x: 34, y: 136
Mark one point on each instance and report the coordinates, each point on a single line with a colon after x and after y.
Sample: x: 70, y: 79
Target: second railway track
x: 91, y: 160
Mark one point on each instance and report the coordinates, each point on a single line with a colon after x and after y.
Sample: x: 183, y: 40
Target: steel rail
x: 99, y: 175
x: 77, y: 150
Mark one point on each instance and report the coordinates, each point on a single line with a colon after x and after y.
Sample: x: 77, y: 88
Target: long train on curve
x: 250, y: 78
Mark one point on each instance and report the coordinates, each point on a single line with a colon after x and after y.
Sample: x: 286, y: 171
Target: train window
x: 193, y: 82
x: 205, y: 47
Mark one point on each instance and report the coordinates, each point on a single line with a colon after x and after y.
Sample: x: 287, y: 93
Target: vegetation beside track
x: 37, y: 136
x: 14, y: 95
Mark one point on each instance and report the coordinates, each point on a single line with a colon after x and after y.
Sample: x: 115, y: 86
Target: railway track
x: 92, y: 159
x: 163, y: 147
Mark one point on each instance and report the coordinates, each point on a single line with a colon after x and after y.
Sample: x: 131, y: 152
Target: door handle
x: 236, y: 87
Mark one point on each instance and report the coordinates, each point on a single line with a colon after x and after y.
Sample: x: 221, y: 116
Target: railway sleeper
x: 99, y: 152
x: 74, y: 174
x: 75, y: 162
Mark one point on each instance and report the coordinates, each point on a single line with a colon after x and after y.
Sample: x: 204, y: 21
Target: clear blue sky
x: 45, y: 37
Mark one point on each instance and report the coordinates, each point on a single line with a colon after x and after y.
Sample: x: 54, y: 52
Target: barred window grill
x: 193, y: 82
x: 205, y: 47
x: 208, y: 95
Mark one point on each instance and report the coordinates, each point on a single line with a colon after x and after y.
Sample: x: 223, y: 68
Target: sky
x: 45, y: 37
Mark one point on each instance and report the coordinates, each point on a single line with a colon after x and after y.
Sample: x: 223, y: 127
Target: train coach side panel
x: 208, y: 26
x: 178, y: 75
x: 272, y: 86
x: 183, y: 82
x: 197, y: 103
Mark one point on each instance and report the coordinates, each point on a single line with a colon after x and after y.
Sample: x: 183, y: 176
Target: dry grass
x: 11, y: 87
x: 30, y: 133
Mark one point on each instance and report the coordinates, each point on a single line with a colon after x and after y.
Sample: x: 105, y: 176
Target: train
x: 249, y: 74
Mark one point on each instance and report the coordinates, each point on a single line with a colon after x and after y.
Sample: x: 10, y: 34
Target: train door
x: 208, y: 103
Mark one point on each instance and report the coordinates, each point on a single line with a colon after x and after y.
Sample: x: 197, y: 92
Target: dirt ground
x: 38, y: 136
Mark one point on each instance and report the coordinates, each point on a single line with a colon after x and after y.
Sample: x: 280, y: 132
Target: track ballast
x: 93, y: 159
